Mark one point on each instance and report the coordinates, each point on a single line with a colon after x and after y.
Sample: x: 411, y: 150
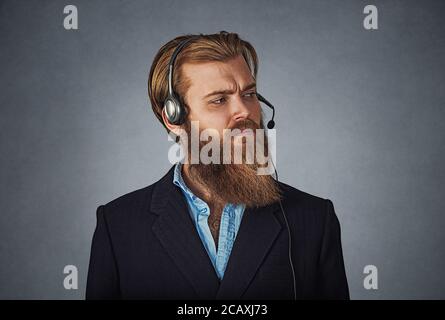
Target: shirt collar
x: 179, y: 181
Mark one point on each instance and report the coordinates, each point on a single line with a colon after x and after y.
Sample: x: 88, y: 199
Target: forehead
x: 206, y: 77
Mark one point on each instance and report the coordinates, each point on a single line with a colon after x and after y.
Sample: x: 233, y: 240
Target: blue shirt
x: 229, y: 225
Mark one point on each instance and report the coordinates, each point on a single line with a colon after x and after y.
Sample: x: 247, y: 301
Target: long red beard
x: 235, y: 183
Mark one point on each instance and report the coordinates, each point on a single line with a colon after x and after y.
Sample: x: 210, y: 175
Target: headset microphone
x: 271, y: 123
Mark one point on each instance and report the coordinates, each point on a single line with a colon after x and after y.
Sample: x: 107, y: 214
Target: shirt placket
x: 226, y: 236
x: 203, y: 216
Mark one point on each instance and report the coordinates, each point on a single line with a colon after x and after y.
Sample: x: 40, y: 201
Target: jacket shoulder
x: 131, y: 200
x: 303, y: 206
x: 294, y: 195
x: 131, y: 204
x: 140, y: 198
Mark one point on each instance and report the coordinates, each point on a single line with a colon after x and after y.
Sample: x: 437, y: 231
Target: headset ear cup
x: 182, y: 112
x: 180, y: 109
x: 172, y: 109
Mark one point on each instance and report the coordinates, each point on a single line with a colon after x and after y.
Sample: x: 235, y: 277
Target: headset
x: 175, y: 113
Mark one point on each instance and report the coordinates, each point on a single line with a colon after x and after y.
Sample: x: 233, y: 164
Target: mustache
x: 245, y: 124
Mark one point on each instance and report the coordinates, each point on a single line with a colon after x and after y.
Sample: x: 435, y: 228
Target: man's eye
x: 250, y: 94
x: 219, y: 101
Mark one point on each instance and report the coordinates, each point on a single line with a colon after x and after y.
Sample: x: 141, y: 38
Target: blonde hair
x: 220, y: 46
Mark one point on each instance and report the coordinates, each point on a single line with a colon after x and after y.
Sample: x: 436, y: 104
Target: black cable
x: 289, y: 237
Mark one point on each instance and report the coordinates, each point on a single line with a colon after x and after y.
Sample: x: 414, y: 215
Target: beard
x: 232, y: 182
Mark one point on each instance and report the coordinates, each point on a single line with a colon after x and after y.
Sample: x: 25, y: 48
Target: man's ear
x: 172, y: 127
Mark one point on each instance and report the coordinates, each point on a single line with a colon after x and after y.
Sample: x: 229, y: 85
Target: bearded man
x: 217, y: 230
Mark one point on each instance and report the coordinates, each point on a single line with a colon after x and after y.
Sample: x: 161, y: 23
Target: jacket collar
x: 177, y: 233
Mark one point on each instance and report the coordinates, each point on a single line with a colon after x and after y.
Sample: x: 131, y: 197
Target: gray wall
x: 360, y: 120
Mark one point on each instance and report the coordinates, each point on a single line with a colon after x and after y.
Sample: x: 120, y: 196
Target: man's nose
x: 240, y: 110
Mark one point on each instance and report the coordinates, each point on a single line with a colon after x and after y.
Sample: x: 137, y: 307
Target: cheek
x: 256, y: 113
x: 206, y: 119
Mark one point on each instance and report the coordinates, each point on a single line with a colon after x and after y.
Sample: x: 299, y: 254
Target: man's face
x: 221, y: 94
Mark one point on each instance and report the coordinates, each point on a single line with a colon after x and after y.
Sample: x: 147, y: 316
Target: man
x: 218, y: 230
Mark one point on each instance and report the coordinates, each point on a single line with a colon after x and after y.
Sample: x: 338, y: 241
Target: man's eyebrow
x: 249, y: 86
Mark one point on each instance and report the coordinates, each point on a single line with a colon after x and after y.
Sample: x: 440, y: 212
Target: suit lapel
x: 178, y: 235
x: 257, y: 232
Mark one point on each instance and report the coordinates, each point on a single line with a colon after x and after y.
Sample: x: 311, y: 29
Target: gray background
x: 360, y: 120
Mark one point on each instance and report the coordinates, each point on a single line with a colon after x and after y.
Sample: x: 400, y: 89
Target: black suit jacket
x: 146, y: 246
